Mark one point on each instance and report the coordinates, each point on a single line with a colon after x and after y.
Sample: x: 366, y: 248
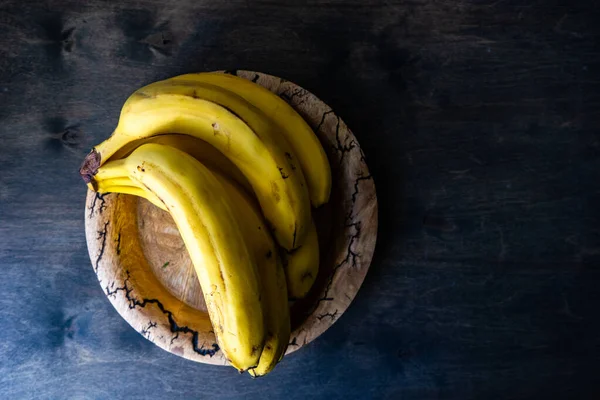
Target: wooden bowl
x: 144, y: 269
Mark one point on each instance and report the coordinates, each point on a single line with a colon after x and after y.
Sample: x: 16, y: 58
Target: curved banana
x: 275, y: 297
x: 197, y: 148
x: 268, y: 132
x: 302, y: 139
x: 206, y: 221
x: 279, y: 190
x: 302, y: 265
x: 272, y: 276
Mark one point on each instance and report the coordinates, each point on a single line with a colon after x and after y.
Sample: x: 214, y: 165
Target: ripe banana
x: 277, y: 186
x: 187, y: 144
x: 275, y: 296
x: 197, y: 148
x: 257, y: 121
x: 268, y: 132
x: 303, y: 141
x: 207, y: 222
x: 258, y: 238
x: 302, y: 265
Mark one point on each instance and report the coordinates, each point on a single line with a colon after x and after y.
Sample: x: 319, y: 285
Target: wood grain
x: 154, y: 286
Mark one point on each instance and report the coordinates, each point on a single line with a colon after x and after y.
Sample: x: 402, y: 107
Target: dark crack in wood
x: 101, y: 236
x: 102, y: 205
x: 350, y: 215
x: 175, y: 328
x: 350, y: 256
x: 325, y: 114
x: 119, y: 244
x: 299, y: 92
x: 146, y: 330
x: 333, y: 315
x: 356, y: 189
x: 362, y: 155
x: 343, y: 149
x: 174, y: 338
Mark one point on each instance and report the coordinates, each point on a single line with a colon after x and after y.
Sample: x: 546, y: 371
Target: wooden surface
x: 144, y: 269
x: 479, y: 122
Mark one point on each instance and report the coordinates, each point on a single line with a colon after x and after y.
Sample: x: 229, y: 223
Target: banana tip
x: 90, y: 166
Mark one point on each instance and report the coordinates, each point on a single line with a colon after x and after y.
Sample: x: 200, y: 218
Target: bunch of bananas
x: 238, y: 170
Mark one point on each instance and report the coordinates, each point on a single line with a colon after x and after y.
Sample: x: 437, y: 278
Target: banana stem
x: 90, y: 166
x: 100, y: 154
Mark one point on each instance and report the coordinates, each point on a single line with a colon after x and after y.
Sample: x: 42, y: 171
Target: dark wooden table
x: 480, y: 123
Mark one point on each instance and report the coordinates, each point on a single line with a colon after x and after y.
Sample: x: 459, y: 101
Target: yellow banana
x: 303, y: 141
x: 113, y: 181
x: 257, y: 121
x: 208, y: 225
x: 197, y: 148
x: 272, y: 276
x: 275, y: 297
x: 284, y: 201
x: 302, y: 265
x: 263, y: 127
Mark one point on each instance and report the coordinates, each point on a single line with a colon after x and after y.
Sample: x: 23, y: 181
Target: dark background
x: 479, y: 120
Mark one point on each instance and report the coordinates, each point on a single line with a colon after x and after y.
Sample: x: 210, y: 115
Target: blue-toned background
x: 480, y: 123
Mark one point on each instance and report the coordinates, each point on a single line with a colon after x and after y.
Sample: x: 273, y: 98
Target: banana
x: 257, y: 121
x: 187, y: 144
x: 197, y: 148
x: 277, y: 186
x: 302, y: 265
x: 265, y: 129
x: 103, y: 184
x: 275, y: 308
x: 208, y: 225
x: 303, y: 141
x: 275, y: 297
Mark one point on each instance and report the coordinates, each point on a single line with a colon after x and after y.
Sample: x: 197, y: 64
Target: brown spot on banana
x: 295, y: 233
x: 216, y: 128
x: 143, y: 95
x: 306, y: 275
x: 283, y: 174
x: 275, y: 192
